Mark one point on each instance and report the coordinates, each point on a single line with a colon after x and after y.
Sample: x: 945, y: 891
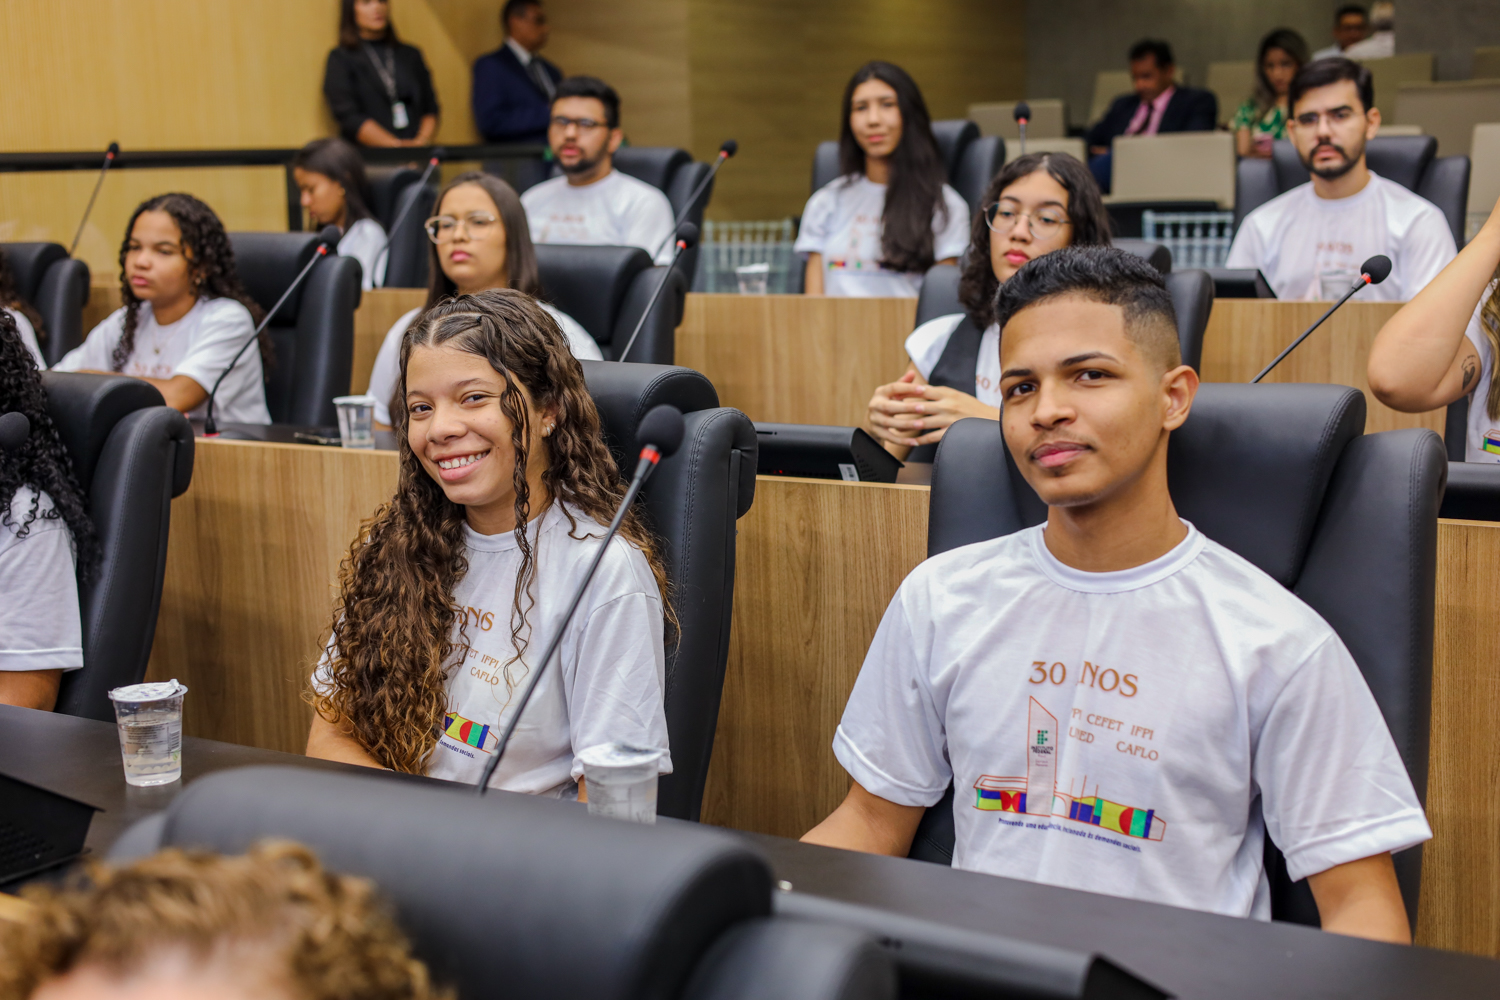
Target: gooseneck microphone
x: 660, y: 433
x: 109, y: 158
x: 1371, y: 272
x: 726, y: 149
x: 687, y: 235
x: 438, y: 152
x: 1023, y: 118
x: 328, y: 238
x: 15, y: 431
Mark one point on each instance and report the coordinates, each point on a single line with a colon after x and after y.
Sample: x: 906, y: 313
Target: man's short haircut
x: 1155, y: 47
x: 515, y: 8
x: 1350, y: 8
x: 1108, y: 276
x: 1322, y: 72
x: 592, y: 86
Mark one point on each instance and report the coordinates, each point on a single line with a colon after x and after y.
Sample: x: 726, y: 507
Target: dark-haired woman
x: 330, y: 173
x: 379, y: 90
x: 878, y: 228
x: 47, y: 542
x: 452, y: 589
x: 1037, y: 204
x: 480, y: 240
x: 185, y: 316
x: 1262, y: 119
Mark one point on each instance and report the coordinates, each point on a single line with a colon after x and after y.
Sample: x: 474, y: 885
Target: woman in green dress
x: 1262, y: 119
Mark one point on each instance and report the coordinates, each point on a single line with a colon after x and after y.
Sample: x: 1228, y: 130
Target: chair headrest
x: 85, y: 408
x: 1473, y: 492
x: 589, y: 282
x: 29, y: 263
x: 1192, y: 294
x: 386, y: 184
x: 267, y: 263
x: 1400, y: 158
x: 825, y: 165
x: 939, y: 295
x: 1156, y: 254
x: 624, y: 392
x: 953, y: 136
x: 656, y: 165
x: 514, y: 889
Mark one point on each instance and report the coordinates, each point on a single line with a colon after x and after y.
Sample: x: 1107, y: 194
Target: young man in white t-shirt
x: 1311, y: 241
x: 592, y: 202
x: 1122, y: 705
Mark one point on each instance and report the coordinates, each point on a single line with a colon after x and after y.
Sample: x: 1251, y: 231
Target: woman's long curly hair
x: 914, y: 196
x: 210, y: 265
x: 1489, y: 322
x: 10, y: 298
x: 393, y: 638
x: 42, y: 463
x: 977, y: 284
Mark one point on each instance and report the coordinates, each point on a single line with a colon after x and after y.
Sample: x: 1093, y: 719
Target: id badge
x: 398, y: 115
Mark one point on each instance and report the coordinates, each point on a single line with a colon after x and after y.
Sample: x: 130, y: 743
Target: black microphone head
x: 729, y: 147
x: 662, y: 429
x: 113, y: 150
x: 1023, y: 111
x: 687, y: 235
x: 330, y: 235
x: 1377, y: 267
x: 15, y: 429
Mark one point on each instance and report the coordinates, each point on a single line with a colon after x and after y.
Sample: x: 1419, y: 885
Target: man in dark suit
x: 513, y: 86
x: 1157, y: 106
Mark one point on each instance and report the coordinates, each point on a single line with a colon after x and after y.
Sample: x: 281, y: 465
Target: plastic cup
x: 149, y: 718
x: 753, y: 278
x: 356, y: 421
x: 621, y: 781
x: 1334, y: 282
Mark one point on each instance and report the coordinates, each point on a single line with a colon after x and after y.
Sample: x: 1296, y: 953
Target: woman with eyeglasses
x: 1037, y: 204
x: 480, y: 241
x: 889, y: 217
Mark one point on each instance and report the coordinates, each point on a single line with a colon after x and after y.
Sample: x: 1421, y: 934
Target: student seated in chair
x: 47, y: 541
x: 1122, y: 705
x: 1311, y: 241
x: 1037, y: 204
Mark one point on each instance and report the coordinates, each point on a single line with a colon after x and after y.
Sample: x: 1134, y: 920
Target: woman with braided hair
x: 450, y: 591
x: 176, y: 261
x: 47, y: 542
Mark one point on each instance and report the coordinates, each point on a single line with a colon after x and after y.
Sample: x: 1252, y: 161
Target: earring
x: 547, y: 431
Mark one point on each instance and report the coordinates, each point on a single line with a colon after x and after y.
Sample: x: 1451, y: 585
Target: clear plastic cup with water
x: 1334, y: 282
x: 621, y: 781
x: 356, y: 421
x: 753, y: 279
x: 149, y: 718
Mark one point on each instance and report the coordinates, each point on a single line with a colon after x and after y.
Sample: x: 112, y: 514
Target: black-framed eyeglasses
x: 444, y: 228
x: 584, y: 124
x: 1310, y: 119
x: 1045, y: 223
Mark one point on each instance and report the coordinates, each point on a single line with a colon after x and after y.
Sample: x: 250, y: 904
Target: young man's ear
x: 1179, y: 386
x: 616, y: 136
x: 1372, y: 123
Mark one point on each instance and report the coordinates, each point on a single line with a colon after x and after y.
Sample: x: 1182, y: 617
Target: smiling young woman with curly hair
x: 447, y: 594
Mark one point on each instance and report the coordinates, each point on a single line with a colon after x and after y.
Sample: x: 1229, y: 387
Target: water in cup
x: 356, y: 421
x: 149, y: 718
x: 621, y: 781
x: 1334, y: 282
x: 753, y: 278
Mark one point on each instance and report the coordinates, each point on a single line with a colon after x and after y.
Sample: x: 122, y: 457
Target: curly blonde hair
x: 275, y: 910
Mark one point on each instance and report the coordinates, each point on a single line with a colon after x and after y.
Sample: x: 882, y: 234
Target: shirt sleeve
x: 928, y: 341
x: 951, y: 238
x: 224, y: 329
x: 1427, y: 249
x: 583, y: 346
x: 341, y: 91
x: 817, y: 219
x: 891, y: 738
x: 40, y: 627
x: 1333, y: 788
x: 650, y: 225
x: 94, y: 353
x: 1246, y: 250
x: 387, y: 370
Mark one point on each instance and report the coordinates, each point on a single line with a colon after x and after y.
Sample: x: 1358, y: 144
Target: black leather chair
x: 692, y: 501
x: 1473, y: 492
x: 312, y: 333
x: 607, y: 288
x: 675, y: 173
x: 386, y: 185
x: 1156, y: 254
x: 406, y: 264
x: 1409, y: 160
x: 57, y: 286
x: 132, y: 454
x: 972, y: 160
x: 1346, y: 520
x: 1192, y: 296
x: 547, y: 901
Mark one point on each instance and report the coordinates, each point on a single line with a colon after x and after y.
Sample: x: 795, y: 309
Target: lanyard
x: 387, y: 70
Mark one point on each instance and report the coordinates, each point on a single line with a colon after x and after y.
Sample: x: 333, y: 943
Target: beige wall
x: 185, y: 74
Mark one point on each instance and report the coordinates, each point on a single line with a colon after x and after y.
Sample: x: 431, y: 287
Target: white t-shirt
x: 1482, y: 442
x: 617, y: 210
x: 605, y: 685
x: 200, y: 346
x: 363, y: 241
x: 1134, y: 733
x: 928, y: 341
x: 1298, y: 239
x: 387, y: 370
x: 28, y: 337
x: 40, y: 624
x: 844, y: 221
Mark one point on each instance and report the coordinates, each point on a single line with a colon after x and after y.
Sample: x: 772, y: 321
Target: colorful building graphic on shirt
x: 1030, y: 794
x: 465, y: 731
x: 1492, y: 442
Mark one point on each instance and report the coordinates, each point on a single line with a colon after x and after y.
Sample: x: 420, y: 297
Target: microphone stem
x: 401, y: 217
x: 642, y: 472
x: 652, y: 304
x: 1293, y: 346
x: 702, y: 186
x: 108, y: 159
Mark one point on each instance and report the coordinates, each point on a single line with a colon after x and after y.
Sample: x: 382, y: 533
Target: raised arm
x: 1421, y: 359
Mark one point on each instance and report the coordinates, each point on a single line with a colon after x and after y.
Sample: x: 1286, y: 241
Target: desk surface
x: 1192, y: 955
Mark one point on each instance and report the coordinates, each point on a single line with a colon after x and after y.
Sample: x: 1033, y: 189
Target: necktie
x: 539, y: 76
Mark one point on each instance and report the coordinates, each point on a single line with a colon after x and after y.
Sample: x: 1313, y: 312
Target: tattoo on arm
x: 1470, y: 369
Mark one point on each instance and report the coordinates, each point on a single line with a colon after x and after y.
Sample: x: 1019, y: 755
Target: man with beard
x: 592, y: 202
x: 1310, y: 242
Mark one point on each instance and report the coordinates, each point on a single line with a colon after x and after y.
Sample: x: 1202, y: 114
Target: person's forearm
x: 427, y: 130
x: 1362, y: 899
x: 181, y: 393
x: 813, y: 282
x: 866, y: 822
x: 30, y: 688
x: 1243, y: 144
x: 372, y: 134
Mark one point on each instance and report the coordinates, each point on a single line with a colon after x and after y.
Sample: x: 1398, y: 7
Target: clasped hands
x: 910, y: 412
